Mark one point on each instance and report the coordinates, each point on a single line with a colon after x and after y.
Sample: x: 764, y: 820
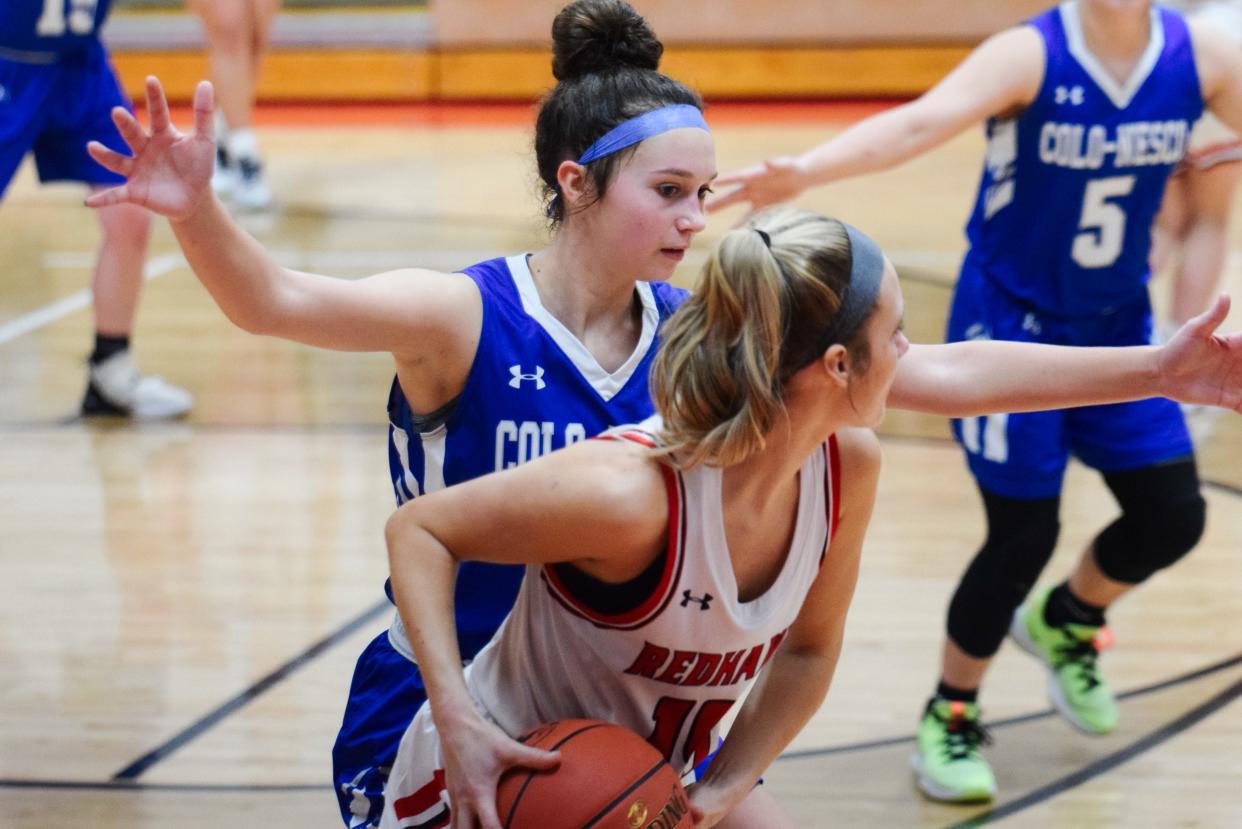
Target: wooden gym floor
x: 182, y: 603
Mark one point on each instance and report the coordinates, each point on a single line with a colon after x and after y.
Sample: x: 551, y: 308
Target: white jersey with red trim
x: 667, y: 654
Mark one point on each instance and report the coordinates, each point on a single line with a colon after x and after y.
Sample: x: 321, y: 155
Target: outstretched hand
x: 169, y: 172
x: 1202, y: 367
x: 775, y: 180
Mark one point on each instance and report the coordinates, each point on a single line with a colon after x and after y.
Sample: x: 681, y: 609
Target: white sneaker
x: 224, y: 176
x: 250, y: 190
x: 114, y: 387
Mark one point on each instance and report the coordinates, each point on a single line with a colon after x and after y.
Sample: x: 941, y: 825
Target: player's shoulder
x: 1216, y: 53
x: 419, y: 286
x: 858, y: 451
x: 623, y: 480
x: 1021, y: 43
x: 1204, y: 32
x: 1003, y: 72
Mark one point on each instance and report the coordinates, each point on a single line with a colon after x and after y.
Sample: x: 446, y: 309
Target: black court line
x: 887, y: 742
x: 116, y: 783
x: 146, y: 761
x: 1229, y: 489
x: 1107, y: 763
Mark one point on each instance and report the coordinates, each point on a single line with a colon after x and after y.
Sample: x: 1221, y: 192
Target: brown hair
x: 604, y: 58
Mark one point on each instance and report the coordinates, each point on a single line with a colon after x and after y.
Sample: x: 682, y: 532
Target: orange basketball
x: 609, y: 778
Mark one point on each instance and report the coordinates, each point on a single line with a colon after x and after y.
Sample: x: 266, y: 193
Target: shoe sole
x: 1019, y: 634
x: 95, y: 404
x: 934, y: 791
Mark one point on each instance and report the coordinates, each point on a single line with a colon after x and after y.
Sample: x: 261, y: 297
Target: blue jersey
x: 533, y: 388
x: 43, y: 31
x: 1071, y: 185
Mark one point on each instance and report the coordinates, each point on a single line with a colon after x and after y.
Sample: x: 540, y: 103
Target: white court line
x: 372, y: 261
x: 62, y: 308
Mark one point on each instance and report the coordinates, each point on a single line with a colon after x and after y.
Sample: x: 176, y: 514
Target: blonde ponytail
x: 761, y: 303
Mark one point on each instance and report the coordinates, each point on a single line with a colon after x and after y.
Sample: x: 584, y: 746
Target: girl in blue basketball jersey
x: 1088, y: 108
x: 503, y: 362
x: 516, y: 357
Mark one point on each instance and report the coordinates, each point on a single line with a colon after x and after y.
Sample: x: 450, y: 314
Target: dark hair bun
x: 597, y: 36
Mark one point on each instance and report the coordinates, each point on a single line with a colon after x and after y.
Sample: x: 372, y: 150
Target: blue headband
x: 642, y: 127
x: 866, y: 274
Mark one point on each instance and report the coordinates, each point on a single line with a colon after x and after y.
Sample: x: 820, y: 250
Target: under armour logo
x: 4, y: 93
x: 978, y: 331
x: 518, y: 377
x: 1072, y: 94
x: 704, y: 600
x: 1030, y: 324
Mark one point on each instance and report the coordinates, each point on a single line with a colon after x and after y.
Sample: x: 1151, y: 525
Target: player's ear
x: 835, y: 363
x: 574, y: 184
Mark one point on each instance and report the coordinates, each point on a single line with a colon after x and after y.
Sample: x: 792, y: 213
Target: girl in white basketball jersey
x: 716, y: 543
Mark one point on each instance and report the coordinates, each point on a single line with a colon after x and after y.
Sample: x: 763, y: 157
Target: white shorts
x: 415, y: 794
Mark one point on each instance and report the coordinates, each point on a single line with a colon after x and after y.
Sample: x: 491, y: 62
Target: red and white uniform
x: 665, y: 655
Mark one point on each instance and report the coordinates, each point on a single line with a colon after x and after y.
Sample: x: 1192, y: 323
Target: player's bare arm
x: 792, y: 686
x: 1219, y: 63
x: 423, y: 317
x: 1000, y: 76
x: 965, y: 379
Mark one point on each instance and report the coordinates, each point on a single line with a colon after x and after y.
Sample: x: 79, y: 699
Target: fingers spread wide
x: 204, y: 106
x: 110, y: 159
x: 157, y: 105
x: 107, y: 198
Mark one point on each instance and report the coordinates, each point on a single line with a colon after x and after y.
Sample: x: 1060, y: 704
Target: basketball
x: 609, y: 778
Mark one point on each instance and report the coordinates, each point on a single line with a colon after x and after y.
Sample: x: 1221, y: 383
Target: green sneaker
x: 947, y: 761
x: 1069, y: 653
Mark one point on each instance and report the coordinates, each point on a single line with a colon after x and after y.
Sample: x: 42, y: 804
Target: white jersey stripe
x: 434, y: 444
x: 407, y: 486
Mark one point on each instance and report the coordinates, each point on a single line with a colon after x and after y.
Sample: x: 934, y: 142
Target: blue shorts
x: 385, y: 693
x: 387, y: 690
x: 1024, y: 455
x: 54, y: 109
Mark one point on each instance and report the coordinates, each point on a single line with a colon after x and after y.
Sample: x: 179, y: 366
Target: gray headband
x: 866, y: 274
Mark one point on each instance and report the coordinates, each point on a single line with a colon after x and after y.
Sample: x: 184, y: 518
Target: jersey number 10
x: 1102, y: 225
x: 670, y: 717
x: 81, y: 19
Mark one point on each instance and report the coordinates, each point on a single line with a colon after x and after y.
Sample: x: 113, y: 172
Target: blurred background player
x: 1191, y: 233
x: 57, y: 90
x: 237, y: 34
x: 1089, y: 109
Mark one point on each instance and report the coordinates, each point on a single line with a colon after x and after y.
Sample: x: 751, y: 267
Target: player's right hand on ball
x: 169, y: 172
x: 476, y: 754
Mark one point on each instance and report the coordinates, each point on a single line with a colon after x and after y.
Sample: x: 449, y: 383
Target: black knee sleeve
x: 1162, y: 519
x: 1022, y: 534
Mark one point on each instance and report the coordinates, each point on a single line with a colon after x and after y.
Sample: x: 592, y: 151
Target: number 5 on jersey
x: 1102, y: 225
